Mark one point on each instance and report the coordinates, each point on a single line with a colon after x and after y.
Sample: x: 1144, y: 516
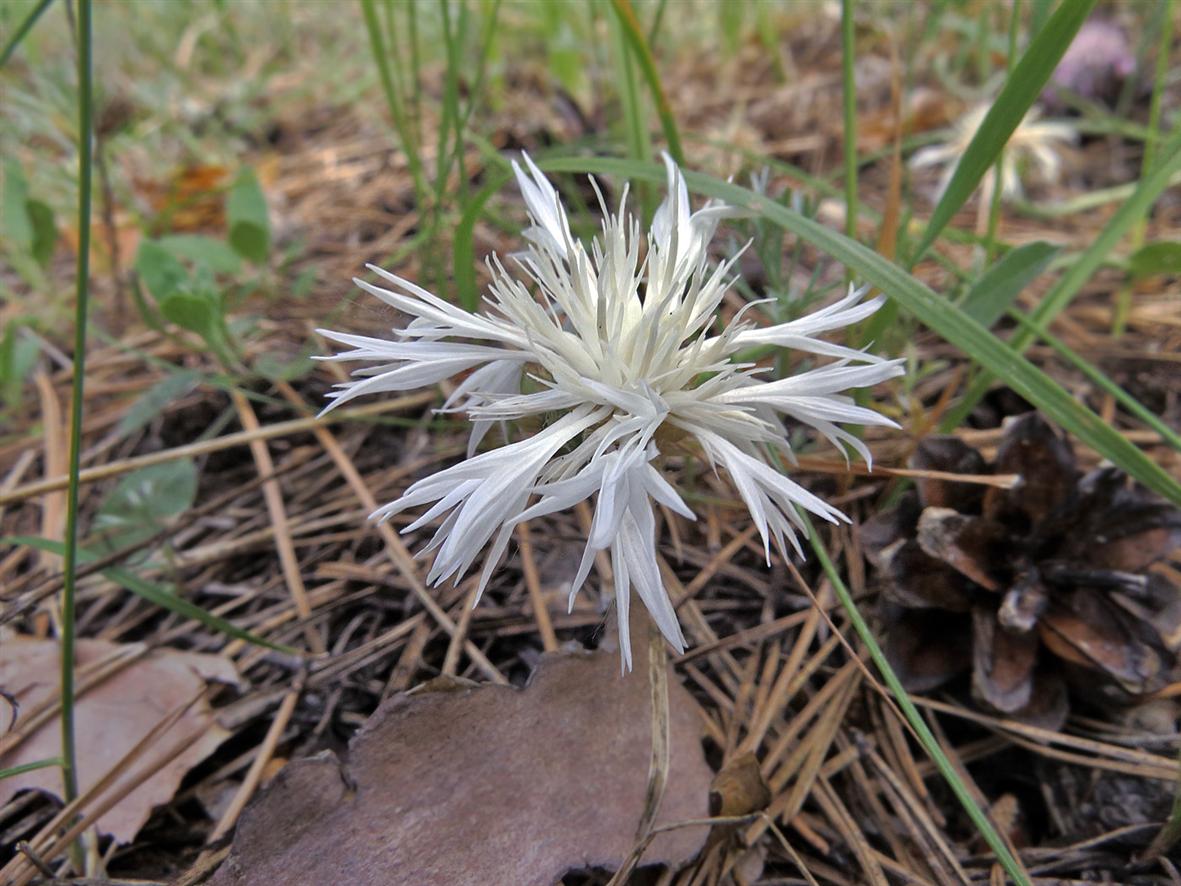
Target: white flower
x: 1034, y: 141
x: 623, y: 345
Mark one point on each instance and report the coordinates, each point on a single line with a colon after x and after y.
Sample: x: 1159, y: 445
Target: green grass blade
x: 1008, y: 861
x: 1123, y: 298
x: 165, y: 599
x: 934, y: 311
x: 153, y: 593
x: 29, y: 767
x: 393, y: 102
x: 999, y: 286
x: 1021, y: 89
x: 1088, y: 262
x: 22, y: 31
x: 81, y: 318
x: 994, y: 209
x: 1107, y: 385
x: 634, y: 33
x: 464, y: 249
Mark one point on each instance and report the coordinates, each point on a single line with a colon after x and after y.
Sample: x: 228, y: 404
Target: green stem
x: 849, y: 80
x: 70, y: 564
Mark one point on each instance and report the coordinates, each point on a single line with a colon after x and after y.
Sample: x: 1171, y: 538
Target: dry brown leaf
x: 482, y: 785
x: 110, y: 719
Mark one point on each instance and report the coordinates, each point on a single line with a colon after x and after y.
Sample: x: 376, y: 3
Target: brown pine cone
x: 1036, y: 590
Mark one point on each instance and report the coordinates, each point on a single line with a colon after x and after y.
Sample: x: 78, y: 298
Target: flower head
x: 624, y: 345
x: 1034, y: 142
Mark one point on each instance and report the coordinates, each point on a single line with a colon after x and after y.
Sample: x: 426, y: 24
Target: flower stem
x: 658, y: 766
x: 69, y: 766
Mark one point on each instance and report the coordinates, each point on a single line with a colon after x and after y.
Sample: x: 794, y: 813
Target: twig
x: 545, y: 625
x: 266, y: 751
x: 393, y: 543
x: 273, y: 495
x: 204, y: 447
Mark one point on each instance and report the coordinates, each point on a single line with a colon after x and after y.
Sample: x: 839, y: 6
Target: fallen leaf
x: 482, y: 785
x: 110, y: 719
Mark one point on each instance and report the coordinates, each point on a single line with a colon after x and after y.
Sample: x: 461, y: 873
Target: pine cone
x: 1037, y: 589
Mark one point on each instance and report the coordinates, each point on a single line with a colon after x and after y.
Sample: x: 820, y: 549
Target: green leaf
x: 160, y: 271
x: 463, y: 250
x: 18, y: 227
x: 934, y: 311
x: 166, y: 599
x: 27, y: 224
x: 155, y: 399
x: 278, y: 366
x: 12, y: 771
x: 153, y: 593
x: 145, y: 500
x: 198, y: 310
x: 206, y: 251
x: 1022, y: 88
x: 999, y: 286
x: 246, y: 211
x: 18, y: 356
x: 1155, y: 258
x: 44, y: 231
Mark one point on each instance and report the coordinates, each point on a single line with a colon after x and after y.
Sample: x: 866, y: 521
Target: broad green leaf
x: 1156, y: 258
x: 1022, y: 88
x: 999, y: 286
x: 153, y: 593
x: 199, y: 249
x: 934, y: 311
x: 246, y: 211
x: 153, y: 401
x: 160, y: 271
x: 145, y: 500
